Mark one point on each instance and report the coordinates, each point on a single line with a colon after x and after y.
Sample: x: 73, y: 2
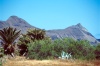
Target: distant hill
x: 77, y: 32
x: 16, y: 22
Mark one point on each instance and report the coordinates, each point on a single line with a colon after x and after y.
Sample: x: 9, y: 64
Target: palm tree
x: 8, y: 37
x: 36, y: 34
x: 32, y: 35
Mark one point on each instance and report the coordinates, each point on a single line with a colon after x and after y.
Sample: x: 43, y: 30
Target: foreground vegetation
x: 36, y: 45
x: 20, y: 61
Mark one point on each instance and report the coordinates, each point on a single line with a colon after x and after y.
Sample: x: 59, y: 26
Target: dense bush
x: 97, y: 51
x: 31, y: 36
x: 41, y: 47
x: 37, y: 45
x: 81, y: 50
x: 44, y: 49
x: 57, y: 47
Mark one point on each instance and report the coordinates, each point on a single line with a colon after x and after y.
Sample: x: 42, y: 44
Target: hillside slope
x: 16, y: 22
x: 77, y: 32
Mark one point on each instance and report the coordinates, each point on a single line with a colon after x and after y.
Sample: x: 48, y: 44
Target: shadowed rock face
x: 78, y: 32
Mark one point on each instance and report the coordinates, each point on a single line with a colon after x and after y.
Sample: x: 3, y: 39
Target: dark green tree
x: 97, y: 51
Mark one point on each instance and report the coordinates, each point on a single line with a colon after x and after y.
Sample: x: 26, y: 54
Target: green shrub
x: 44, y: 49
x: 81, y: 50
x: 97, y: 51
x: 31, y: 36
x: 57, y: 46
x: 40, y: 49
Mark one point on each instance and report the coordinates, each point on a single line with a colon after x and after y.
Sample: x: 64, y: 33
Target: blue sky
x: 54, y: 14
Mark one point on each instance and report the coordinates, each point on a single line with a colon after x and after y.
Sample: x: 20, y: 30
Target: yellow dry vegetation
x: 21, y: 61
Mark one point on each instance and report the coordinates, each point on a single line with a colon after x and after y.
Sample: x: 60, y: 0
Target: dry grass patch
x: 21, y: 61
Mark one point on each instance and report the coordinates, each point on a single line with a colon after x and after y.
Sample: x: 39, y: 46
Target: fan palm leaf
x: 8, y: 37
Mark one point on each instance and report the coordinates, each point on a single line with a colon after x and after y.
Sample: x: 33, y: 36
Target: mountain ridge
x: 16, y: 22
x: 77, y: 32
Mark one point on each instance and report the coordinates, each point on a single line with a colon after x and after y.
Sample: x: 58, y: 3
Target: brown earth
x: 21, y: 61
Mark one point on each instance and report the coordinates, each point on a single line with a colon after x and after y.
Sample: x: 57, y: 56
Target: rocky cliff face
x: 77, y: 32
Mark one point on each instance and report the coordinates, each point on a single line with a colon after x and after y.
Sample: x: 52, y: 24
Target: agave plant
x: 8, y: 37
x: 65, y: 55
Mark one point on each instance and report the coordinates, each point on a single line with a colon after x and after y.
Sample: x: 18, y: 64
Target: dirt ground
x: 20, y: 61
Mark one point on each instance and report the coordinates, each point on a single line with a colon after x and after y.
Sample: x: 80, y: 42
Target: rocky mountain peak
x: 79, y: 25
x: 16, y: 22
x: 13, y: 16
x: 15, y: 19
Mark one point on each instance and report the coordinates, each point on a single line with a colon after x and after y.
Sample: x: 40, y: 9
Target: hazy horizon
x: 54, y: 14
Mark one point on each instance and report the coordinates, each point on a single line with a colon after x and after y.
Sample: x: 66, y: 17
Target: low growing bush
x: 97, y: 52
x: 81, y: 50
x: 40, y: 49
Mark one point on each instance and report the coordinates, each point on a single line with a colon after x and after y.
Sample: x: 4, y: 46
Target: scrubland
x: 21, y: 61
